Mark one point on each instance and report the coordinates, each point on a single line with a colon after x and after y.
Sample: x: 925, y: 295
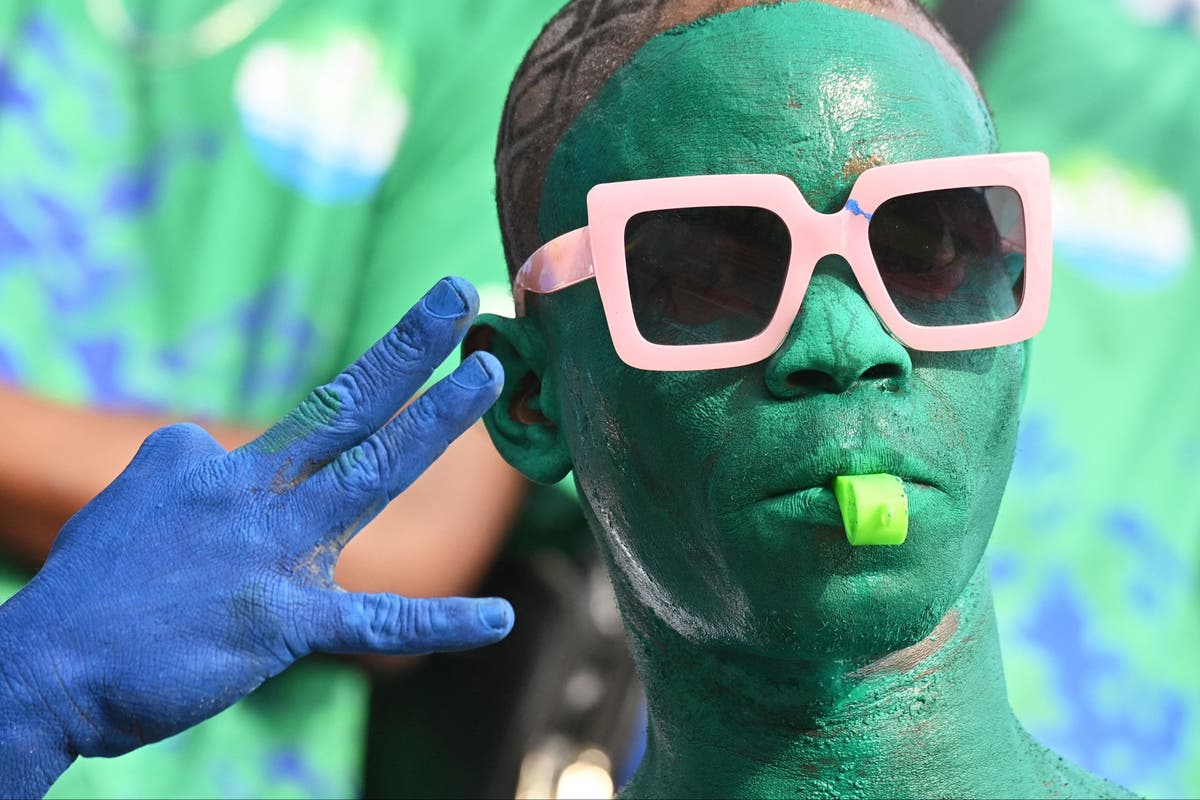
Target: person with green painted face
x: 737, y: 352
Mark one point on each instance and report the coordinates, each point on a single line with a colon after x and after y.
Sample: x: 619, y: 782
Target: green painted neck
x: 931, y: 720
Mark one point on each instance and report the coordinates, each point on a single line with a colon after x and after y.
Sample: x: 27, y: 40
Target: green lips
x: 874, y: 508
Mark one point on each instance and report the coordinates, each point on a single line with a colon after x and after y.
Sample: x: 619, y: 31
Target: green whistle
x: 874, y: 508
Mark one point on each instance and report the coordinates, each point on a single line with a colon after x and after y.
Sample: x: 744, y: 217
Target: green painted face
x: 688, y: 474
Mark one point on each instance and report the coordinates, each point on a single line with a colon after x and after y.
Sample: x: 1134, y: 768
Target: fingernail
x: 473, y: 373
x: 496, y: 614
x: 445, y: 300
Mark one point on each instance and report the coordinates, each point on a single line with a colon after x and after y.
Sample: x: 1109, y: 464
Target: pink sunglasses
x: 709, y: 271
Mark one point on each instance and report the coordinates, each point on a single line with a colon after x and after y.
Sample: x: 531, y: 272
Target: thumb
x: 350, y: 622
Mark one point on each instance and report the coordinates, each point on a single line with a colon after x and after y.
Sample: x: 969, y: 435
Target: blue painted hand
x: 199, y: 573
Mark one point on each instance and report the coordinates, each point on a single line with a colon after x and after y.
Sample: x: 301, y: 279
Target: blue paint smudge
x: 73, y: 280
x: 1154, y: 565
x: 14, y: 244
x: 277, y: 343
x: 1039, y: 455
x: 39, y: 31
x: 854, y: 208
x: 289, y: 764
x: 1130, y: 528
x: 280, y: 342
x: 1003, y: 567
x: 135, y: 190
x: 66, y: 226
x: 1122, y: 744
x: 102, y: 360
x: 41, y: 233
x: 1144, y: 596
x: 173, y: 361
x: 13, y: 97
x: 25, y: 106
x: 9, y: 373
x: 132, y: 190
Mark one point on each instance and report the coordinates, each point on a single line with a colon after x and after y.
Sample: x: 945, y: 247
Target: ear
x: 523, y: 423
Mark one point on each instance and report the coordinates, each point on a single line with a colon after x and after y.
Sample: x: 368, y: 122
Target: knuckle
x: 172, y: 437
x: 422, y: 625
x: 335, y: 406
x: 382, y: 614
x: 179, y: 444
x: 379, y: 456
x: 361, y: 468
x: 354, y: 388
x: 323, y: 405
x: 405, y: 350
x: 414, y: 624
x: 427, y: 414
x: 403, y: 624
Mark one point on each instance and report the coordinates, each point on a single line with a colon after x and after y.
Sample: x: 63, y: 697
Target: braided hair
x: 577, y: 52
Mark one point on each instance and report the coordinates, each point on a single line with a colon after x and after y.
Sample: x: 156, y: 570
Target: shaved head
x: 580, y: 49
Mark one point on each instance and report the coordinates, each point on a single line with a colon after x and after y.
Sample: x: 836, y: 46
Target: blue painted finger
x: 348, y: 622
x: 367, y: 476
x: 344, y: 412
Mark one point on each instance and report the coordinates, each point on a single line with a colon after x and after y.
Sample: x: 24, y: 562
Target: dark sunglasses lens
x: 953, y: 256
x: 705, y: 275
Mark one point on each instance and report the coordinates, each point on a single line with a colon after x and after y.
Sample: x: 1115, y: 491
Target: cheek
x: 978, y: 393
x: 642, y: 433
x: 986, y: 405
x: 995, y: 402
x: 639, y: 449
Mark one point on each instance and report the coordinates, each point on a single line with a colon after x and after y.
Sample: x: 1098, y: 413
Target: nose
x: 836, y: 343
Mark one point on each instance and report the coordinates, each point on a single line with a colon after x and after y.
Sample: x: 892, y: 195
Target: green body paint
x: 779, y: 660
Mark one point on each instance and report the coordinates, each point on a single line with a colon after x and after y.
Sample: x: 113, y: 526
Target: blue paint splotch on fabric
x: 1040, y: 453
x: 84, y: 278
x: 15, y: 98
x: 50, y: 241
x: 10, y: 373
x: 289, y: 767
x: 281, y: 340
x: 103, y: 359
x: 276, y: 340
x: 1106, y: 737
x: 14, y: 242
x: 135, y: 189
x: 22, y: 104
x: 1003, y: 568
x: 47, y: 42
x: 1156, y: 572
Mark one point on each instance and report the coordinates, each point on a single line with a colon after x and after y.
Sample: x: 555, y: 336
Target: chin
x: 852, y: 619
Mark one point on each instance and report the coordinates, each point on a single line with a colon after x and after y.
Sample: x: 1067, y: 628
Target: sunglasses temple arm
x: 561, y: 262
